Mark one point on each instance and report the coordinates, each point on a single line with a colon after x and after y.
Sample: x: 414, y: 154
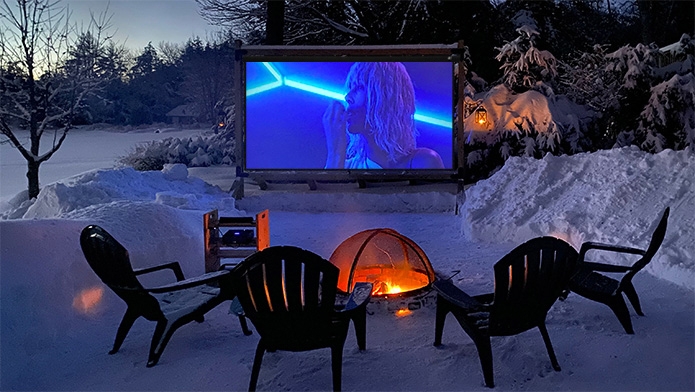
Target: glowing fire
x: 388, y: 287
x: 403, y: 312
x: 86, y: 301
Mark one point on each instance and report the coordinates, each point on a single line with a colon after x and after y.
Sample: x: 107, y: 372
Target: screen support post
x: 237, y: 189
x: 461, y: 85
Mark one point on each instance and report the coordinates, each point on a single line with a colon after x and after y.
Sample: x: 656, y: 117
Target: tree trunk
x: 275, y: 23
x: 33, y: 178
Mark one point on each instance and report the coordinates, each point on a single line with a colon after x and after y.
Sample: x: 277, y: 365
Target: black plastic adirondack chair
x: 589, y: 282
x: 528, y: 280
x: 171, y: 306
x: 289, y: 295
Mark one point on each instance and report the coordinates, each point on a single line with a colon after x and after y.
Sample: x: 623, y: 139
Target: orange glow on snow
x: 87, y: 300
x: 403, y: 312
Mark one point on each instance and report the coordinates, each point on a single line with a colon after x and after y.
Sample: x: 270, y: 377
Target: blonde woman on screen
x: 376, y: 129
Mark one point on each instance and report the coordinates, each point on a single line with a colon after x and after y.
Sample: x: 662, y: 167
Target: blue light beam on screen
x: 273, y: 71
x: 314, y: 89
x: 433, y: 120
x: 280, y: 81
x: 262, y: 88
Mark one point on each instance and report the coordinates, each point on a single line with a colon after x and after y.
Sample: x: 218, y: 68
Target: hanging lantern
x: 481, y: 115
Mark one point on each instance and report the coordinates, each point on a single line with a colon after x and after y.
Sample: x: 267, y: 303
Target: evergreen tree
x: 523, y: 64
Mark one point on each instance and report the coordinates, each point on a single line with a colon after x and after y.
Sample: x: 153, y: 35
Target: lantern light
x: 481, y: 115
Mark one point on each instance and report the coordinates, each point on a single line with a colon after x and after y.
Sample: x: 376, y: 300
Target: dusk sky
x: 137, y: 22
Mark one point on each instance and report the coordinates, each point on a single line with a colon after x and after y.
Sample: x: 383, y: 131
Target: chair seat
x: 588, y: 283
x: 177, y: 303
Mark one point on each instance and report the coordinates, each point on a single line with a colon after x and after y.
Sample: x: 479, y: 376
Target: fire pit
x: 395, y: 264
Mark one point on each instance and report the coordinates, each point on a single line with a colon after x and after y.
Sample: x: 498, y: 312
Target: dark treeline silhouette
x: 142, y: 89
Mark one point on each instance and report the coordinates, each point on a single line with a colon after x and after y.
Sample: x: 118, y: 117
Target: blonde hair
x: 390, y: 108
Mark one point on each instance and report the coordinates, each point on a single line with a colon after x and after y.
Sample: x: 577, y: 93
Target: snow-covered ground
x: 49, y: 341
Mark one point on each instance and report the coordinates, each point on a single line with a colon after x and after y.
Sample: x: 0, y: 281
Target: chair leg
x: 440, y: 318
x: 618, y: 306
x: 126, y: 323
x: 482, y: 343
x: 244, y: 325
x: 260, y: 350
x: 631, y: 294
x: 549, y: 346
x: 359, y: 321
x: 337, y: 365
x: 157, y: 345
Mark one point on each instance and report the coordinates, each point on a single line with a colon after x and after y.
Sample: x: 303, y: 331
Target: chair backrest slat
x: 274, y: 285
x: 312, y: 279
x: 294, y: 277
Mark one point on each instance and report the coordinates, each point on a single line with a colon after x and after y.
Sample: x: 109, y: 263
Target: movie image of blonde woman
x: 349, y: 115
x: 376, y: 128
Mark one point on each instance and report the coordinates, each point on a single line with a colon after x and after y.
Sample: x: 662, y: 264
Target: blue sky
x: 137, y: 22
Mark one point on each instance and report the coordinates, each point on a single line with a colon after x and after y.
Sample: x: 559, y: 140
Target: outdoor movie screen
x: 349, y: 115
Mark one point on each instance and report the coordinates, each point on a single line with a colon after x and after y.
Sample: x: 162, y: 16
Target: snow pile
x: 613, y: 196
x: 89, y: 191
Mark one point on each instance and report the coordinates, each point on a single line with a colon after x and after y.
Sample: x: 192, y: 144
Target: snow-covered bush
x: 211, y: 150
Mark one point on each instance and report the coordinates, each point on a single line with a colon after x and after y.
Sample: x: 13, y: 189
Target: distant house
x: 676, y: 52
x: 182, y: 114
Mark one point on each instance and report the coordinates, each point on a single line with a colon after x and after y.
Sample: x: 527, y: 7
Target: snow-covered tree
x: 668, y: 120
x: 39, y: 88
x: 524, y: 65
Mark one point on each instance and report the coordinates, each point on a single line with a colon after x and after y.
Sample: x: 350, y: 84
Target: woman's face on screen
x: 356, y: 112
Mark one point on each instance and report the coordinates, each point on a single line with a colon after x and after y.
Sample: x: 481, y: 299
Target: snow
x: 58, y: 320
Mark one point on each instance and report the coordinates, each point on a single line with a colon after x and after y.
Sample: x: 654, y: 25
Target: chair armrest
x: 174, y: 266
x: 458, y: 297
x: 601, y: 267
x: 587, y: 246
x: 191, y: 282
x: 360, y: 296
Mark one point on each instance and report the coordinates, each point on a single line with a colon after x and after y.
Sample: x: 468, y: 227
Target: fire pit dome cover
x: 391, y: 261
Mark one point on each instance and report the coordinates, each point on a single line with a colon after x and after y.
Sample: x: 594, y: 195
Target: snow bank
x: 88, y: 191
x: 614, y: 196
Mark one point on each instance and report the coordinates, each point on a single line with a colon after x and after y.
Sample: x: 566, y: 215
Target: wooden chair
x: 289, y: 295
x: 589, y: 282
x: 170, y: 306
x: 528, y: 280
